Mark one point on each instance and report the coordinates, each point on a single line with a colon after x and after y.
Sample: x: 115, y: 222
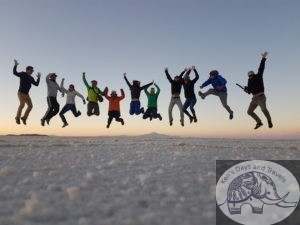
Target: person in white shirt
x: 70, y: 102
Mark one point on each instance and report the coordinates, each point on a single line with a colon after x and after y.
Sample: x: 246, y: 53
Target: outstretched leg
x: 223, y: 98
x: 65, y: 109
x: 147, y: 114
x: 187, y: 104
x: 252, y: 107
x: 74, y: 110
x: 209, y: 92
x: 179, y: 104
x: 193, y: 103
x: 262, y: 103
x: 171, y: 106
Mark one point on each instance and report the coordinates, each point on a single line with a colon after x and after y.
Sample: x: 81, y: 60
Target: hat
x: 214, y: 73
x: 53, y: 74
x: 251, y: 73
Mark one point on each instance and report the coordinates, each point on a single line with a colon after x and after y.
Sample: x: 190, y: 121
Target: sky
x: 140, y: 37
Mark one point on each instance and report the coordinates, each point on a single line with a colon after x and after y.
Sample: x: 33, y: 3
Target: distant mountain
x: 156, y: 135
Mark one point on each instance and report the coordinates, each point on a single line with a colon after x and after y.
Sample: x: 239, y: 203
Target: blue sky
x: 107, y: 38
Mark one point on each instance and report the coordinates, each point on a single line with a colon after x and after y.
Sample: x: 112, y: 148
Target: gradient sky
x: 140, y: 37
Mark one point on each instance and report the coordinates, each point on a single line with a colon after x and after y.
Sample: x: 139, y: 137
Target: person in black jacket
x: 26, y: 80
x: 176, y: 85
x: 256, y: 88
x: 135, y: 89
x: 189, y: 93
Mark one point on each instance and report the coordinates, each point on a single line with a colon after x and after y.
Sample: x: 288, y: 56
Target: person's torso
x: 135, y: 92
x: 217, y: 82
x: 152, y: 101
x: 71, y: 97
x: 52, y: 88
x: 93, y: 94
x: 256, y: 85
x: 189, y: 89
x: 114, y: 104
x: 25, y: 83
x: 176, y: 87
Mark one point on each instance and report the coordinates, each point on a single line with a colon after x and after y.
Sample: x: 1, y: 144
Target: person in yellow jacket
x: 94, y: 95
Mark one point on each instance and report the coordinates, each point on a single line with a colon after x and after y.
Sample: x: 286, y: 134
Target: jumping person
x: 23, y: 93
x: 70, y: 102
x: 189, y: 93
x: 219, y: 89
x: 135, y: 89
x: 94, y: 95
x: 176, y: 85
x: 53, y: 105
x: 114, y: 106
x: 256, y: 88
x: 151, y: 111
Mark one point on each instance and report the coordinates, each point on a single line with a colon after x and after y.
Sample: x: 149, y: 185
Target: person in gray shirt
x: 53, y: 106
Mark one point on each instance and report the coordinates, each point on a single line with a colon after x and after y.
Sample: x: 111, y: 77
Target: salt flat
x: 119, y: 180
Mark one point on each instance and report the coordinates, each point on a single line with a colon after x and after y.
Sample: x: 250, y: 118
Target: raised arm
x: 106, y: 94
x: 146, y: 91
x: 15, y: 72
x: 122, y: 94
x: 47, y: 78
x: 63, y: 90
x: 158, y: 89
x: 37, y: 82
x: 146, y: 86
x: 84, y: 81
x: 262, y: 64
x: 125, y: 77
x: 206, y: 83
x: 182, y: 73
x: 196, y: 75
x: 168, y: 75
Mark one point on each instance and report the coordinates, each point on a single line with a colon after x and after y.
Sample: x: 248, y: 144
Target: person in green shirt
x: 151, y: 111
x: 94, y: 95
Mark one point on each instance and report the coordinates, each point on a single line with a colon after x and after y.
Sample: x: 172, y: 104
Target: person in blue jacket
x: 219, y: 89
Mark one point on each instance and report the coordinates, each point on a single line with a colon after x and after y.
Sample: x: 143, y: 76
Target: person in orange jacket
x: 114, y: 106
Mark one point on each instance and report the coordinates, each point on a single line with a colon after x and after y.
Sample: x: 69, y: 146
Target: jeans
x: 189, y: 102
x: 53, y: 108
x: 67, y: 108
x: 135, y: 108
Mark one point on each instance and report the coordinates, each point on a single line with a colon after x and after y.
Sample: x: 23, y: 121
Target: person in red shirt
x: 114, y: 106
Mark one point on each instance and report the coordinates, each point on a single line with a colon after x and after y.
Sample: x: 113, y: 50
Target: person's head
x: 186, y: 78
x: 176, y: 78
x: 94, y: 83
x: 136, y: 83
x: 251, y: 74
x: 113, y: 94
x: 152, y: 91
x: 29, y: 70
x: 53, y: 76
x: 213, y: 74
x: 71, y: 87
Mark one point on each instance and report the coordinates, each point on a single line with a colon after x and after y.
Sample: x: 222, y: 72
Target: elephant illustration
x: 255, y: 189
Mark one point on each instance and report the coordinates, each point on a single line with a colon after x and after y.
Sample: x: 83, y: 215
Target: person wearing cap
x: 135, y: 90
x: 114, y: 106
x: 94, y: 95
x: 256, y: 88
x: 189, y: 93
x: 26, y: 80
x: 151, y: 111
x: 70, y: 102
x: 176, y: 85
x: 53, y: 105
x: 219, y: 89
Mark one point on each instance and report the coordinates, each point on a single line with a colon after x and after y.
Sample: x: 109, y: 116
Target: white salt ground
x: 119, y: 180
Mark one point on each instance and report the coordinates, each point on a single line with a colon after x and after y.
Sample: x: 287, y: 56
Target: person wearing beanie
x: 26, y: 80
x: 256, y: 88
x: 176, y: 85
x: 219, y: 89
x: 151, y: 111
x: 135, y: 89
x: 53, y: 106
x: 114, y: 106
x: 189, y: 93
x: 70, y: 102
x: 94, y: 95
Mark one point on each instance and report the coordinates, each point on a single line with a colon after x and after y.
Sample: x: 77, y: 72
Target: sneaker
x: 48, y: 121
x: 18, y: 120
x: 201, y: 94
x: 171, y: 122
x: 122, y: 122
x: 142, y: 110
x: 182, y: 123
x: 258, y: 125
x: 270, y: 124
x: 231, y: 116
x: 151, y: 118
x: 159, y: 117
x: 107, y: 126
x: 195, y: 119
x: 191, y: 119
x: 23, y: 120
x: 79, y: 113
x: 65, y: 124
x: 42, y: 122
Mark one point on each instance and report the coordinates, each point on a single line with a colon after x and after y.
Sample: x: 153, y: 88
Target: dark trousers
x: 67, y: 108
x: 93, y: 109
x: 53, y: 108
x: 189, y: 102
x: 135, y: 108
x: 114, y: 115
x: 151, y: 112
